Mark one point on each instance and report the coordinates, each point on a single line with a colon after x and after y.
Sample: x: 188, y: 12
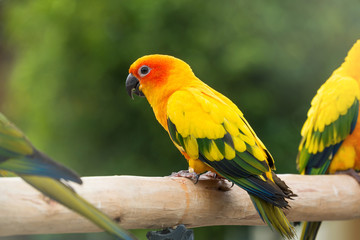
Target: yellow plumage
x: 331, y: 132
x: 211, y: 132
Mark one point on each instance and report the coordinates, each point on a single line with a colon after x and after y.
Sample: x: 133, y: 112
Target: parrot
x: 330, y: 142
x: 211, y: 133
x: 18, y: 156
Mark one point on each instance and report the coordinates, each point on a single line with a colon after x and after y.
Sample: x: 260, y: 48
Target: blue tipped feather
x: 41, y: 165
x: 17, y: 155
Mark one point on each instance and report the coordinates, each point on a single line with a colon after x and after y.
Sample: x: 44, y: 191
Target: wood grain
x: 157, y: 202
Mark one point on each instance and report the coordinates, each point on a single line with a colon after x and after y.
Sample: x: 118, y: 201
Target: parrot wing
x: 331, y: 118
x: 209, y: 128
x: 19, y: 156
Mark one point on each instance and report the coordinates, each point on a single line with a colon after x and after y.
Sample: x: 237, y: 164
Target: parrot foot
x: 179, y: 233
x: 351, y: 172
x: 212, y: 175
x: 222, y: 182
x: 186, y: 174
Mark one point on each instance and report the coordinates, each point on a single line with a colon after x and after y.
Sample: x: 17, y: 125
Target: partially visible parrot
x: 19, y: 156
x: 212, y: 133
x: 331, y: 133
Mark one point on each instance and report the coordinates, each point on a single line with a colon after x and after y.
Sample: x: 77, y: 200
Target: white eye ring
x: 144, y: 70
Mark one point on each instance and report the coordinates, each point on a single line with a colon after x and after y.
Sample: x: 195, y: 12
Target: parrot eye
x: 144, y: 70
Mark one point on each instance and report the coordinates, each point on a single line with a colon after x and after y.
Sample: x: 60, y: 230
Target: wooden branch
x: 157, y: 202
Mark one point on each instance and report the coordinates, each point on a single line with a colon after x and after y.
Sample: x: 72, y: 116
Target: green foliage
x: 66, y: 86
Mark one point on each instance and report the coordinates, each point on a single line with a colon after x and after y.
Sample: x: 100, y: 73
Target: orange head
x: 158, y: 76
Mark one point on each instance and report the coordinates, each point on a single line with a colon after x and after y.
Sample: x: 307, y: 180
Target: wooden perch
x: 157, y: 202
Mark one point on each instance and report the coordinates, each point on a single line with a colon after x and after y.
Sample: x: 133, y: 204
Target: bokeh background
x: 63, y: 65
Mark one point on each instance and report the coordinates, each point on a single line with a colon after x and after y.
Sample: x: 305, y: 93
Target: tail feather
x: 267, y: 190
x: 269, y: 198
x: 310, y: 230
x: 274, y: 217
x: 284, y: 188
x: 66, y: 196
x: 41, y: 165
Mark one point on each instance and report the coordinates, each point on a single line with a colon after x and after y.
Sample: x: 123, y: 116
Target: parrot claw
x: 186, y: 174
x: 179, y: 233
x: 352, y: 173
x: 213, y: 175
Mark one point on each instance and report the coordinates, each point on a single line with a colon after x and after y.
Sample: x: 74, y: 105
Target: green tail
x: 274, y: 217
x: 310, y: 230
x: 66, y: 196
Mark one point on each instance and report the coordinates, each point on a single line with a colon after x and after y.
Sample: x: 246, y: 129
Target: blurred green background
x: 63, y: 65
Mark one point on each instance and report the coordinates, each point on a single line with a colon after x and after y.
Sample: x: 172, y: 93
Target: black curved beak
x: 132, y: 86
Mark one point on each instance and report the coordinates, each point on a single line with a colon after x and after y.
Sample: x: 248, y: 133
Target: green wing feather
x: 12, y: 141
x: 209, y: 127
x: 215, y: 130
x: 17, y: 155
x: 331, y: 118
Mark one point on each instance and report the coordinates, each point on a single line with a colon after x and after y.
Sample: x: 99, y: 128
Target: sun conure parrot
x: 331, y: 133
x: 19, y: 156
x: 211, y: 132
